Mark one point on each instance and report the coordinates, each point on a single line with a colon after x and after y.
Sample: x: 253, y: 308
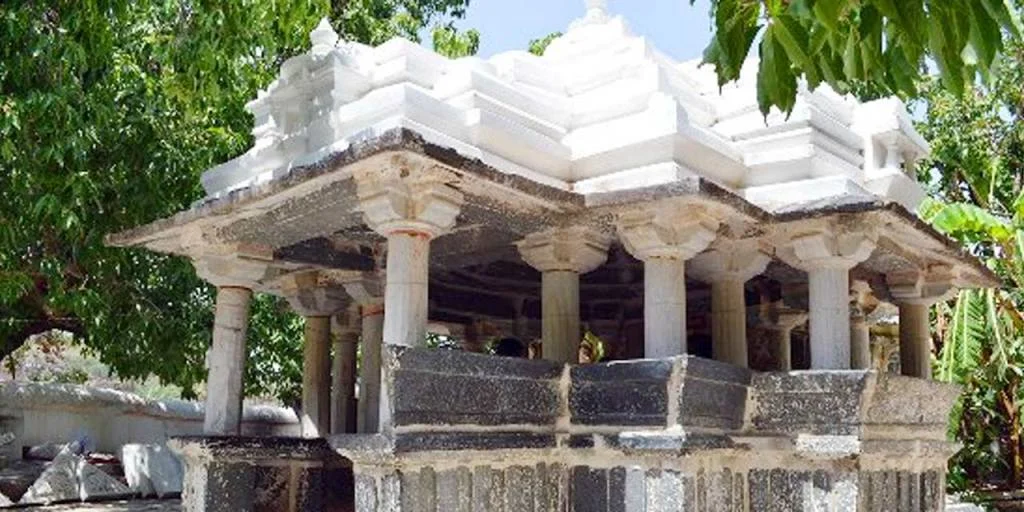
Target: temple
x: 731, y: 263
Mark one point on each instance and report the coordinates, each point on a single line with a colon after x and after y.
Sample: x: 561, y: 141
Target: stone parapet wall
x: 678, y: 434
x: 57, y: 413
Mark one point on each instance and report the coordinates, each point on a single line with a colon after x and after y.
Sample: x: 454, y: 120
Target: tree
x: 540, y: 45
x: 881, y: 46
x: 977, y: 179
x: 109, y: 111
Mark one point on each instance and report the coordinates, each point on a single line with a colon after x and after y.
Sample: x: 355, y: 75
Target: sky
x: 676, y: 28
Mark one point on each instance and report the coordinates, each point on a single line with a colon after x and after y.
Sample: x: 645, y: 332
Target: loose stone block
x: 58, y: 483
x: 95, y: 485
x: 152, y: 470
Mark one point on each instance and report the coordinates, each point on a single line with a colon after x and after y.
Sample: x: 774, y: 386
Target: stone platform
x: 470, y: 432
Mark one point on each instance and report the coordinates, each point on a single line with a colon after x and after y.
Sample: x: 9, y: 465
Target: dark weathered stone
x: 706, y: 403
x: 519, y: 486
x: 617, y: 489
x: 589, y: 489
x: 454, y: 387
x: 449, y: 441
x: 620, y: 393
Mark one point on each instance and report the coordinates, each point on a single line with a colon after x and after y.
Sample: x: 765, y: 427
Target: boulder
x: 152, y: 469
x: 96, y: 485
x: 58, y: 483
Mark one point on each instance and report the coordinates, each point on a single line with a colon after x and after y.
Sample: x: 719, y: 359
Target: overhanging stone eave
x: 478, y: 179
x: 970, y: 272
x: 697, y: 189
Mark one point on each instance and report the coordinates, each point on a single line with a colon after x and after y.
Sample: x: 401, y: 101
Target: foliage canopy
x: 880, y: 46
x: 108, y: 113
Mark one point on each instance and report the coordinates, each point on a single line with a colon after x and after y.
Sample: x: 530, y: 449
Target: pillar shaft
x: 560, y: 307
x: 915, y: 341
x: 729, y: 322
x: 860, y: 344
x: 405, y: 296
x: 783, y: 347
x: 829, y: 318
x: 343, y: 384
x: 227, y: 362
x: 316, y: 377
x: 369, y: 390
x: 664, y: 307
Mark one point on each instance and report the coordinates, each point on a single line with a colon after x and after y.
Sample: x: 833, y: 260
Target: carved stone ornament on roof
x: 667, y: 231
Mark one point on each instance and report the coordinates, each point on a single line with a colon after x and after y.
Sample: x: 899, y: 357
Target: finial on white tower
x: 596, y: 5
x: 323, y: 37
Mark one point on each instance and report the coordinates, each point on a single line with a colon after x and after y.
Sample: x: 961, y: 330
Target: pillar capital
x: 427, y: 206
x: 783, y: 318
x: 309, y: 294
x: 234, y: 270
x: 347, y: 323
x: 921, y: 286
x: 575, y: 249
x: 832, y: 249
x: 365, y: 288
x: 678, y: 232
x: 730, y: 261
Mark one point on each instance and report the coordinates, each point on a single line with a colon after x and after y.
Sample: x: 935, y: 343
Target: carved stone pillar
x: 728, y: 267
x: 235, y: 277
x: 365, y: 290
x: 860, y: 333
x: 827, y: 256
x: 561, y: 255
x: 347, y: 328
x: 664, y: 238
x: 780, y: 322
x: 317, y: 301
x: 409, y: 212
x: 915, y: 292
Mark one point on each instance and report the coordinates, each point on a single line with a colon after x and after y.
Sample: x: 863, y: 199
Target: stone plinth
x: 473, y: 432
x: 262, y: 473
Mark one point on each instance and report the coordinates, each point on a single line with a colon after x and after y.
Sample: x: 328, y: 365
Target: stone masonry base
x: 476, y: 433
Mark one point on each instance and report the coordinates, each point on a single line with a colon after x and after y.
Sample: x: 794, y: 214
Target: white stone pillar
x: 405, y: 293
x: 316, y: 377
x: 664, y: 307
x: 561, y: 255
x: 860, y: 341
x: 369, y: 392
x: 728, y: 266
x: 915, y: 340
x: 664, y: 236
x: 914, y: 292
x: 827, y: 257
x: 347, y: 327
x: 224, y: 391
x: 235, y: 277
